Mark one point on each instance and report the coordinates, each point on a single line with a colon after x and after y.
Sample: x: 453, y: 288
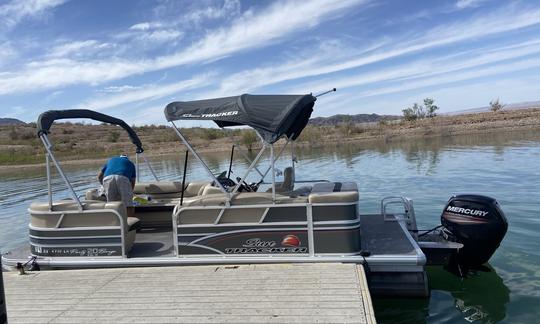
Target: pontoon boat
x: 228, y: 221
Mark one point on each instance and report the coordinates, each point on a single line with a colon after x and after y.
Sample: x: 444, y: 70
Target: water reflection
x: 422, y: 153
x: 470, y: 296
x: 480, y: 298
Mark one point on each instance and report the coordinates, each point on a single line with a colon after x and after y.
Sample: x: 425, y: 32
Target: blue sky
x: 130, y: 58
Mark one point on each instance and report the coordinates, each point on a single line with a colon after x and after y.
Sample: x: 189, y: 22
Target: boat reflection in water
x: 469, y: 294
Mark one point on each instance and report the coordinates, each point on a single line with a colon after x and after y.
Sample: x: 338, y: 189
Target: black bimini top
x: 272, y: 116
x: 46, y: 119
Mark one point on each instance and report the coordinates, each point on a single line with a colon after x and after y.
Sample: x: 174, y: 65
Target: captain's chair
x: 288, y: 181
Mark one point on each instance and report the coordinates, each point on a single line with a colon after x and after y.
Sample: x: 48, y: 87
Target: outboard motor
x: 478, y: 223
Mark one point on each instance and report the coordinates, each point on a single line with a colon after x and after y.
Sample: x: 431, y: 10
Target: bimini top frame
x: 46, y: 120
x: 271, y: 116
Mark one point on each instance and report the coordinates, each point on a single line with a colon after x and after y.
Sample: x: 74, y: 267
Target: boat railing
x: 408, y: 215
x: 62, y: 213
x: 178, y: 209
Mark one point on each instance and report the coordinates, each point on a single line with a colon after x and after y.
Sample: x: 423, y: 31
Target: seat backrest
x: 288, y: 180
x: 103, y: 214
x: 93, y: 194
x: 334, y: 197
x: 168, y: 189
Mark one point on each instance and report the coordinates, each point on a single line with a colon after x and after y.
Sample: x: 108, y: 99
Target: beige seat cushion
x: 169, y: 189
x: 242, y: 198
x: 209, y: 190
x: 93, y: 194
x: 104, y: 218
x: 161, y: 187
x: 100, y: 218
x: 334, y: 197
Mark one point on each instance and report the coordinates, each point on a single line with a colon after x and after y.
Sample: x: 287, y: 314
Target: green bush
x: 113, y: 136
x: 418, y: 111
x: 249, y: 138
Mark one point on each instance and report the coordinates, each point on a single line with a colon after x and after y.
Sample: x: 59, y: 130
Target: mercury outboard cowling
x: 478, y: 223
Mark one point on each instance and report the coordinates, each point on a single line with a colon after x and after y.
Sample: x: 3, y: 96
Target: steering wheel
x: 252, y: 187
x: 225, y: 181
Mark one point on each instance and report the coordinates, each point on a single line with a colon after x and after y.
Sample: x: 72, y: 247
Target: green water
x: 505, y: 166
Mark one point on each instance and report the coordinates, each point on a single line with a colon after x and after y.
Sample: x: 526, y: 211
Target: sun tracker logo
x: 221, y: 114
x: 289, y: 244
x: 291, y: 240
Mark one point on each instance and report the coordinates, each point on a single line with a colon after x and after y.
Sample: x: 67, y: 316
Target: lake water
x: 504, y: 166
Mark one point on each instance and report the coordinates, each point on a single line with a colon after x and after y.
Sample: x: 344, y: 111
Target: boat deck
x: 278, y: 293
x: 381, y: 237
x: 153, y: 242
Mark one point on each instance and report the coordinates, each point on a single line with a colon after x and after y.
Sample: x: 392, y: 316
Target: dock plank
x: 280, y: 293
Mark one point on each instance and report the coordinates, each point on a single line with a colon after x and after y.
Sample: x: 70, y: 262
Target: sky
x: 130, y: 58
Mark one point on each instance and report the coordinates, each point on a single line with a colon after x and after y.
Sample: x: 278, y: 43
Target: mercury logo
x: 467, y: 211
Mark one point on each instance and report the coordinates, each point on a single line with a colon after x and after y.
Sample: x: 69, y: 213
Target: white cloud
x: 160, y: 36
x: 15, y: 11
x: 463, y: 4
x: 427, y: 67
x: 328, y: 60
x: 253, y: 31
x: 446, y: 79
x: 151, y: 32
x: 247, y: 32
x: 7, y: 52
x: 140, y: 26
x: 117, y: 89
x: 79, y: 49
x: 230, y: 8
x: 143, y: 93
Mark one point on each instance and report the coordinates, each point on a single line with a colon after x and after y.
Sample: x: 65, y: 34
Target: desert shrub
x: 496, y: 105
x: 430, y: 108
x: 211, y: 133
x: 350, y: 128
x: 249, y: 138
x: 418, y: 111
x: 312, y: 134
x: 13, y: 135
x: 113, y: 136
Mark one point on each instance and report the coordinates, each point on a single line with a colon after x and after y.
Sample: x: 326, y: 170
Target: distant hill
x: 359, y: 118
x: 513, y: 106
x: 11, y: 121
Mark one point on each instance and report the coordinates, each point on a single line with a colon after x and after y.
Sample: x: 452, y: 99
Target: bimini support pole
x: 184, y: 180
x: 49, y: 186
x: 137, y: 167
x: 48, y: 146
x: 251, y: 166
x: 293, y: 161
x: 238, y: 148
x: 249, y: 160
x: 149, y: 166
x: 190, y: 148
x: 272, y: 161
x: 277, y: 157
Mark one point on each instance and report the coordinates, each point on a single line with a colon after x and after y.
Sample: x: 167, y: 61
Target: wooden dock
x: 279, y: 293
